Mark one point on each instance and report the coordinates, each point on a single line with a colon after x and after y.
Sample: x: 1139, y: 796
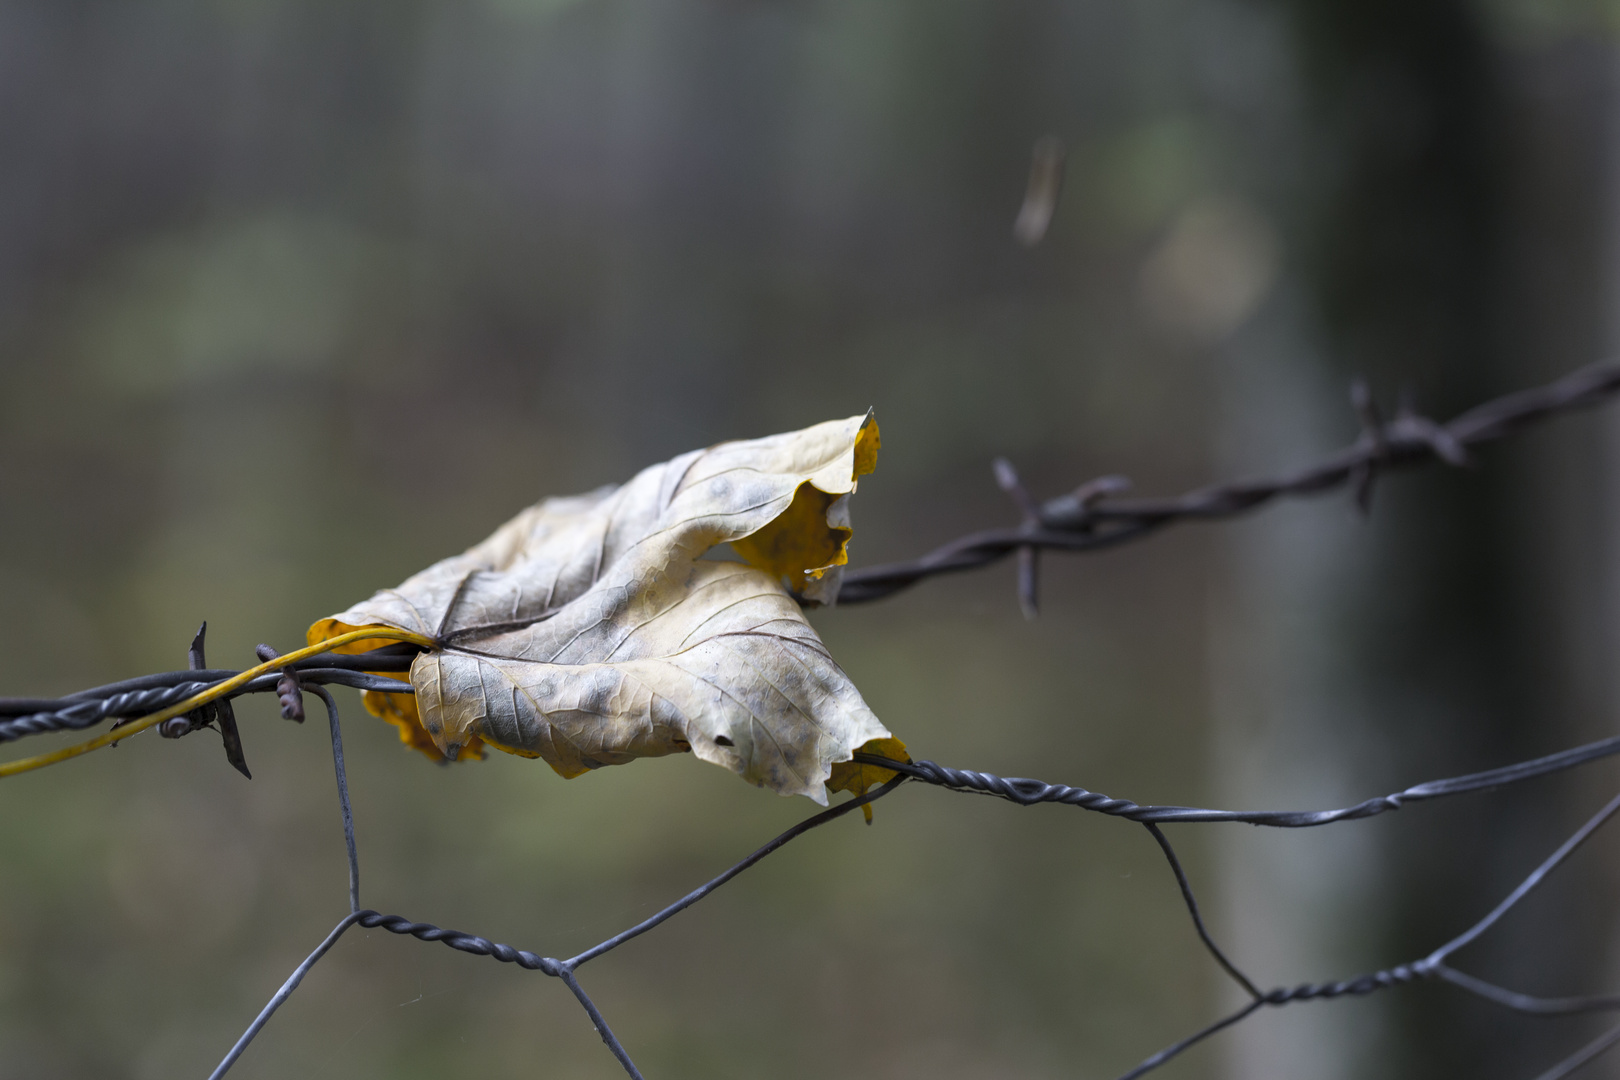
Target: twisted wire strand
x: 89, y: 712
x: 1029, y: 792
x: 460, y: 941
x: 1400, y: 976
x: 1433, y: 966
x: 1092, y: 519
x: 455, y: 939
x: 390, y: 658
x: 561, y: 969
x: 468, y: 943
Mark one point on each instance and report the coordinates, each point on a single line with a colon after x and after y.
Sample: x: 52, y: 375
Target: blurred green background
x: 296, y: 298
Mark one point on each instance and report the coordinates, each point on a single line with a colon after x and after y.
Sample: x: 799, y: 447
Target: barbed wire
x: 1092, y: 518
x: 1089, y: 519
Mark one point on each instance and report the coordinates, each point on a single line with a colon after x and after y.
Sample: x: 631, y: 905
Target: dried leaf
x: 589, y: 631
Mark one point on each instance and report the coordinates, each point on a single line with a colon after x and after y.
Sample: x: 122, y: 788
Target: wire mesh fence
x: 1093, y: 517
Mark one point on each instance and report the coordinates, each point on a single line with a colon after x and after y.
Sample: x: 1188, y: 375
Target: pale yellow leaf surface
x: 589, y: 631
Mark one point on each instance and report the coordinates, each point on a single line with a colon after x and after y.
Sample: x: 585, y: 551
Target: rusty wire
x: 1086, y: 520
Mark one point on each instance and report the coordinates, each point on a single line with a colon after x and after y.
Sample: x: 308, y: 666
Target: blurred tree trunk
x: 1463, y: 180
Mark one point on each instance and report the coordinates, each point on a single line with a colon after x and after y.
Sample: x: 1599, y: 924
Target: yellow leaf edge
x: 812, y: 536
x: 856, y: 777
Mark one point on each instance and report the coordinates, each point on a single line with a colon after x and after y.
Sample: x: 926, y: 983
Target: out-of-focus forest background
x: 296, y: 298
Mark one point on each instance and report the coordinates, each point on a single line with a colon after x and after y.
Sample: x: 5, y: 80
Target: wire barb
x: 218, y: 712
x: 1365, y: 475
x: 288, y: 690
x: 1028, y: 554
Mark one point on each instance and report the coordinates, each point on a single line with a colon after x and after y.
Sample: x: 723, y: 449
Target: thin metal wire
x: 282, y: 995
x: 1584, y: 1056
x: 1527, y: 1003
x: 1565, y: 850
x: 1196, y: 1037
x: 601, y: 1025
x: 343, y: 792
x: 355, y: 914
x: 1197, y: 918
x: 704, y: 890
x: 1028, y: 792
